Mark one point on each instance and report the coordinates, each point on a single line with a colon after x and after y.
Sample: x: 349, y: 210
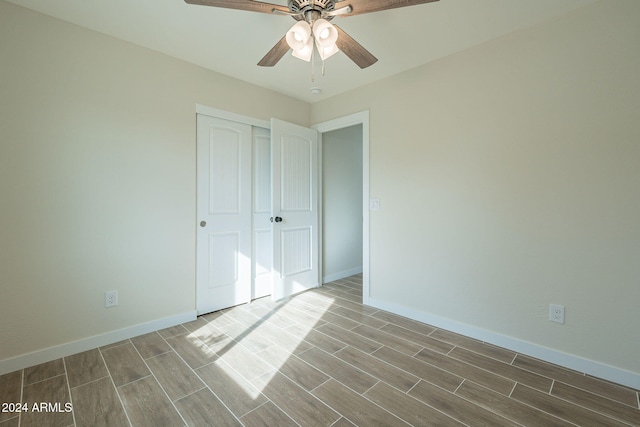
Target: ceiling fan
x: 313, y: 24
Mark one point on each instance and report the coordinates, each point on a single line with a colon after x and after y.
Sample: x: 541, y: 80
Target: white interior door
x: 294, y: 157
x: 223, y: 260
x: 262, y: 233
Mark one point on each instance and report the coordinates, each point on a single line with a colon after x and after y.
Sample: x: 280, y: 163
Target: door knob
x: 276, y: 219
x: 203, y: 223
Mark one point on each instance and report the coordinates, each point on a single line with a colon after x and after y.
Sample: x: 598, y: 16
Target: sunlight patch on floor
x: 256, y: 327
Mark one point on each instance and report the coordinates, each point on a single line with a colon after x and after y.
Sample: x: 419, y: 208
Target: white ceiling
x: 231, y: 42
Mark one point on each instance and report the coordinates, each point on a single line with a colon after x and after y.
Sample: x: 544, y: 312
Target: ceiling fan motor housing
x: 304, y: 6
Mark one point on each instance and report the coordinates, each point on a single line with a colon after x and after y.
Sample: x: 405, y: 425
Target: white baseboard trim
x: 577, y: 363
x: 70, y: 348
x: 341, y: 274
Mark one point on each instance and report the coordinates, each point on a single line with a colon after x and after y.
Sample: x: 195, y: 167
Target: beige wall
x: 509, y: 178
x: 97, y: 178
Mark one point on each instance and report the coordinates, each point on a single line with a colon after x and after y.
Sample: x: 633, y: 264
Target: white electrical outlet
x: 111, y: 298
x: 556, y: 313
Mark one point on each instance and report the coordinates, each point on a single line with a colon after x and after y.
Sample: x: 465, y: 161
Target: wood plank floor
x: 318, y: 359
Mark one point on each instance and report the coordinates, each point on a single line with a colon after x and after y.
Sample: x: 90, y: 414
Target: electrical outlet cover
x: 111, y: 298
x: 556, y: 313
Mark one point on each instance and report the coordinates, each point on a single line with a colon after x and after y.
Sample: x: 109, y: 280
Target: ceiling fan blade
x: 250, y: 5
x: 368, y: 6
x: 354, y: 50
x: 275, y: 54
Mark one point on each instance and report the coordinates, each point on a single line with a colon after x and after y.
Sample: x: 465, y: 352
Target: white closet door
x: 262, y: 234
x: 294, y: 155
x: 223, y: 269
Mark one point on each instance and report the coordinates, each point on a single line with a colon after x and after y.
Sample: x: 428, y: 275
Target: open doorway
x: 342, y: 203
x: 357, y: 121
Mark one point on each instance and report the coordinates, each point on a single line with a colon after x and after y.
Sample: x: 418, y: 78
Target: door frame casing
x: 227, y: 115
x: 361, y: 118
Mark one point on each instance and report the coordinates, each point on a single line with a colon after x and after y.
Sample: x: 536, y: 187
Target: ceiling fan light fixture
x: 312, y: 22
x: 305, y: 51
x: 299, y: 35
x: 325, y: 34
x: 326, y: 52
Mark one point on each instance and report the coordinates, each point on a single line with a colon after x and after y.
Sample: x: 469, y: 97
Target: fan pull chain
x: 313, y: 66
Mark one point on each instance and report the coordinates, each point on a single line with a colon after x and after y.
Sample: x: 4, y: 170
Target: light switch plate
x: 374, y: 204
